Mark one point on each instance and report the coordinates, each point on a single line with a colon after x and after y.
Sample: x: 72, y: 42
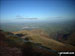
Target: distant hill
x: 68, y: 38
x: 71, y: 39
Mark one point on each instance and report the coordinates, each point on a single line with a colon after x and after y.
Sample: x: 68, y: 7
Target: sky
x: 22, y: 10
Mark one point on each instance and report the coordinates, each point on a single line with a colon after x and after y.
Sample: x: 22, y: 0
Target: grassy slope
x: 38, y: 36
x: 14, y: 46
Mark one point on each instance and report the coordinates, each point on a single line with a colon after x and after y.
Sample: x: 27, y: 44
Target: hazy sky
x: 40, y: 9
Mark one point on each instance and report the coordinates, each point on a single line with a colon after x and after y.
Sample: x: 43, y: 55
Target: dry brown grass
x: 38, y: 36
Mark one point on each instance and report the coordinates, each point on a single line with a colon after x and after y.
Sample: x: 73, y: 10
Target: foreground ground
x: 30, y: 43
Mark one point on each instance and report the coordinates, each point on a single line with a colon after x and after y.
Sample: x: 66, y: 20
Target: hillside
x: 12, y: 45
x: 30, y: 43
x: 39, y: 36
